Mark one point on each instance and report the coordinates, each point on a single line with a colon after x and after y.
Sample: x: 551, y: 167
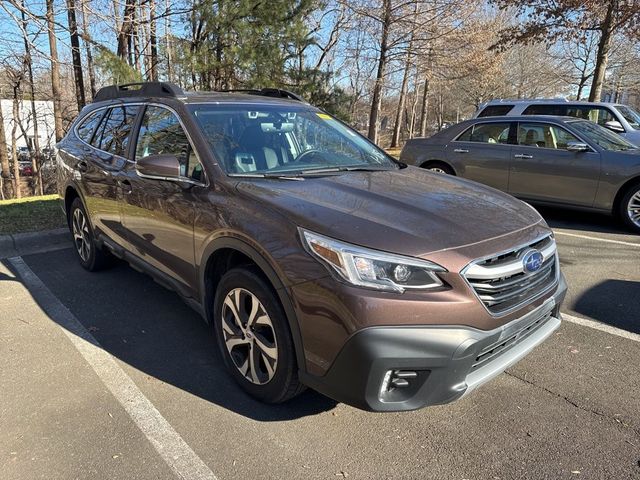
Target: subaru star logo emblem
x: 532, y: 260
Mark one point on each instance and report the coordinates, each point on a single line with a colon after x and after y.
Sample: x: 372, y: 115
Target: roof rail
x: 267, y: 92
x: 524, y: 100
x: 143, y: 89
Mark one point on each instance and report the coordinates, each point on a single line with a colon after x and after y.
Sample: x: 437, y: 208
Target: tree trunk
x: 395, y: 138
x: 5, y: 174
x: 55, y: 73
x: 167, y: 40
x: 14, y: 143
x: 376, y: 100
x: 153, y: 73
x: 75, y: 54
x: 124, y: 32
x: 87, y: 47
x: 425, y: 108
x: 602, y: 57
x: 35, y: 154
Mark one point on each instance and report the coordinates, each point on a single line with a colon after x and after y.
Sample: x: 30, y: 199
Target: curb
x: 20, y: 244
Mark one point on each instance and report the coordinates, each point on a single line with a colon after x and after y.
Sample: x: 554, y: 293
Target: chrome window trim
x: 528, y: 300
x: 144, y: 104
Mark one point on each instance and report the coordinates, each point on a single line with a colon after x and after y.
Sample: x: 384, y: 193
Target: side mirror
x: 163, y: 166
x: 614, y: 126
x: 577, y: 147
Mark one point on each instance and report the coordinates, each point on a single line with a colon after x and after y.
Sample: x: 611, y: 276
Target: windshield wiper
x: 314, y: 171
x: 279, y: 176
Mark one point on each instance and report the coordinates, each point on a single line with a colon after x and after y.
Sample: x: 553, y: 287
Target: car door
x: 482, y: 153
x: 158, y: 214
x: 105, y: 137
x: 543, y: 169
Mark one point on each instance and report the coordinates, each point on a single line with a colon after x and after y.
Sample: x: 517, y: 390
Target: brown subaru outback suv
x: 318, y: 259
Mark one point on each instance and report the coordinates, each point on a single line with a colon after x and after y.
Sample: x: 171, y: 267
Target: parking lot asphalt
x: 571, y: 409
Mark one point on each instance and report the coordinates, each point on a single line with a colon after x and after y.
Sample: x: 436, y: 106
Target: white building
x: 44, y: 114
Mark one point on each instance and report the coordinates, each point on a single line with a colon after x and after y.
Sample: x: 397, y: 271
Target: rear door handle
x: 461, y: 150
x: 522, y: 155
x: 82, y: 166
x: 125, y: 185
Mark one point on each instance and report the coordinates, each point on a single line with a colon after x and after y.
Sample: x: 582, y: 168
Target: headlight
x: 370, y: 268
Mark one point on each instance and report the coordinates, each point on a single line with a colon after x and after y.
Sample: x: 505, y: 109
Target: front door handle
x: 522, y: 155
x: 125, y: 185
x: 461, y: 150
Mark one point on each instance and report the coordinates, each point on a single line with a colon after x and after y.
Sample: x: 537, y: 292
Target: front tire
x: 629, y: 208
x: 91, y: 257
x: 253, y: 336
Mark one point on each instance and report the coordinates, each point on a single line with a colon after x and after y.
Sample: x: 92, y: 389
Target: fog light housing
x: 399, y: 385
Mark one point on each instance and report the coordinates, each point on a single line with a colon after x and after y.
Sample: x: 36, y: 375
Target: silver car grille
x: 502, y: 283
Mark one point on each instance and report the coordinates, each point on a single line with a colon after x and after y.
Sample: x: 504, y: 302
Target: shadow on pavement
x: 582, y: 221
x: 608, y: 302
x: 151, y: 329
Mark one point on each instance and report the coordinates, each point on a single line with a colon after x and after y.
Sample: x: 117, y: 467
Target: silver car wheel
x: 633, y: 209
x: 437, y: 170
x: 249, y: 336
x: 81, y: 234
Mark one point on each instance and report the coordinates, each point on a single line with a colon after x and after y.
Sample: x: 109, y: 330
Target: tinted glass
x: 88, y: 125
x: 600, y: 115
x: 272, y: 139
x: 116, y: 130
x: 161, y: 133
x: 544, y: 135
x: 486, y: 133
x: 495, y: 110
x: 603, y: 137
x: 545, y: 110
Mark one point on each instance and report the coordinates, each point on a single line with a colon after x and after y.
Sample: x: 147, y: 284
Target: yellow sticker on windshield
x: 324, y: 116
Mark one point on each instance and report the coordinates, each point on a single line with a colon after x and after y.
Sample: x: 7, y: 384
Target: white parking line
x: 167, y: 442
x: 607, y: 240
x: 603, y: 327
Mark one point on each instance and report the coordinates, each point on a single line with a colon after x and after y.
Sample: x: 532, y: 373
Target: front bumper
x: 406, y: 368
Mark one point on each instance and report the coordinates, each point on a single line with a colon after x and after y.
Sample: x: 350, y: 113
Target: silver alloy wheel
x: 633, y: 209
x: 249, y: 336
x: 437, y: 170
x: 81, y: 234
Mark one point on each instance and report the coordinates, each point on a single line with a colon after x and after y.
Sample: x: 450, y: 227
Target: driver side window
x: 161, y: 133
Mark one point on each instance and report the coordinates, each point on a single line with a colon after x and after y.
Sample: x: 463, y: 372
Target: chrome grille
x: 502, y: 283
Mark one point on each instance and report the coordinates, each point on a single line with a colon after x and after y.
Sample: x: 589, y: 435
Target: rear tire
x: 253, y: 336
x: 439, y: 167
x: 90, y: 255
x: 629, y: 208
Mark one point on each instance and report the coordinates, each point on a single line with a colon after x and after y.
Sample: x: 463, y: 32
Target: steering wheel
x: 306, y: 153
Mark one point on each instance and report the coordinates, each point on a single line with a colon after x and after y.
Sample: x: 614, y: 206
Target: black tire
x: 282, y: 383
x: 439, y: 167
x: 630, y: 203
x: 91, y: 257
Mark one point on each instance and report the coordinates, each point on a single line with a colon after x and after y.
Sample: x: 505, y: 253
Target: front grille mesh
x: 511, y: 286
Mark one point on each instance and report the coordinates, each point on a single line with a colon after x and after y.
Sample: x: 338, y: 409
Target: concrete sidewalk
x: 28, y: 243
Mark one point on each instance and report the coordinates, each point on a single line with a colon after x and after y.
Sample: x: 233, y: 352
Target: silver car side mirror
x: 614, y: 126
x: 577, y: 147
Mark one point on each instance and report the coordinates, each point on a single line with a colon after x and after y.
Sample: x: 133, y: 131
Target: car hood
x: 409, y: 211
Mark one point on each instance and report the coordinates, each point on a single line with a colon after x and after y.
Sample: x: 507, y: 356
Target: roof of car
x: 528, y: 118
x: 559, y: 101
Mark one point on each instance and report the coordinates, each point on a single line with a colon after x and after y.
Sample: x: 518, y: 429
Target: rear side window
x: 115, y: 130
x: 600, y: 115
x: 88, y: 125
x: 546, y: 110
x: 495, y: 110
x: 161, y: 133
x: 486, y: 133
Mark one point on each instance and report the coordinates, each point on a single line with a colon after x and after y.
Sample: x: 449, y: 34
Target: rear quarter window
x: 495, y: 110
x: 88, y: 125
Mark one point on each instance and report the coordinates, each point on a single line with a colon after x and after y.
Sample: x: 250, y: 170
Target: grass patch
x: 31, y: 214
x: 394, y: 152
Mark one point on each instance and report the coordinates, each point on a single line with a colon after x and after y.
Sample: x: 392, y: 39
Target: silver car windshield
x: 264, y: 140
x: 630, y: 115
x: 601, y: 136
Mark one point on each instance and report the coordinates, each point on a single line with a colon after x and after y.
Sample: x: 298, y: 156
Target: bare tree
x: 87, y: 46
x: 5, y: 177
x: 75, y: 54
x: 55, y: 72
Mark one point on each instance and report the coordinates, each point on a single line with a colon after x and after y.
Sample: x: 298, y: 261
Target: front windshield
x: 274, y: 140
x: 601, y: 136
x: 630, y: 115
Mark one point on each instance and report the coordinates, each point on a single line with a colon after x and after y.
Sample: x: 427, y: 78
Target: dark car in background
x: 317, y: 259
x: 560, y: 161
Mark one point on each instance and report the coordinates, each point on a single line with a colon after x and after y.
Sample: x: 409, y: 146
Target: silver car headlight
x: 371, y: 268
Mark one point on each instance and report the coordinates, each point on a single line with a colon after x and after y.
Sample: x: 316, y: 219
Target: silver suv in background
x: 618, y: 118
